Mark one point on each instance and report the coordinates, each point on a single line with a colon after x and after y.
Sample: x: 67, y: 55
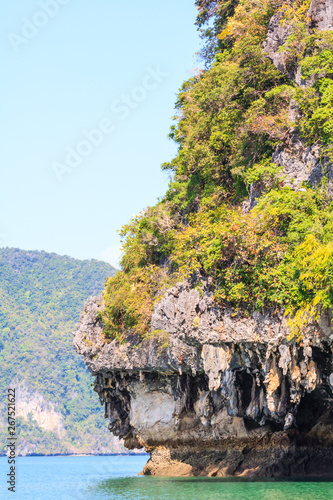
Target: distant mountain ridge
x: 41, y: 296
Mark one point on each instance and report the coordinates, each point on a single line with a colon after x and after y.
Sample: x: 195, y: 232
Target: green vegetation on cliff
x: 229, y: 120
x: 41, y: 296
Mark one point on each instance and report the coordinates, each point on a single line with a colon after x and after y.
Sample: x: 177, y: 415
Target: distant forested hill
x: 41, y: 296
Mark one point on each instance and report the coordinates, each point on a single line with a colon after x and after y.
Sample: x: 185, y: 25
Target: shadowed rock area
x: 213, y: 395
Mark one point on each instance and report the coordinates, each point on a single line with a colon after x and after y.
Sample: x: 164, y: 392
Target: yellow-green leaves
x: 312, y: 266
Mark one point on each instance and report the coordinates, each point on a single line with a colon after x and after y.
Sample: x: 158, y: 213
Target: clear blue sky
x: 71, y: 67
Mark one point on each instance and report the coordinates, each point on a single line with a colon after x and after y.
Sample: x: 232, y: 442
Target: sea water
x: 115, y: 477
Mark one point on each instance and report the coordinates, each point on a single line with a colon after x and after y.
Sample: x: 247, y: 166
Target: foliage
x: 130, y: 298
x: 41, y: 296
x: 229, y: 119
x: 211, y: 19
x: 265, y: 173
x: 314, y: 54
x: 311, y: 265
x: 231, y: 248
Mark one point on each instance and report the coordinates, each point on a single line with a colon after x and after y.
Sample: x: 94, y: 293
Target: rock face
x: 277, y: 35
x: 300, y: 163
x: 321, y: 14
x: 44, y: 412
x: 208, y: 394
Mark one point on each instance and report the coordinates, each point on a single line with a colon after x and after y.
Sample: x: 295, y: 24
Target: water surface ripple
x: 115, y: 477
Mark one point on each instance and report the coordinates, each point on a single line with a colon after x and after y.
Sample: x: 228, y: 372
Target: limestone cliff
x: 300, y: 162
x: 213, y: 392
x: 216, y: 395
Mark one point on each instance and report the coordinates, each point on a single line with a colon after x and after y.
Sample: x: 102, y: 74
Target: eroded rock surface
x: 321, y: 14
x: 277, y: 34
x: 300, y: 162
x: 210, y: 394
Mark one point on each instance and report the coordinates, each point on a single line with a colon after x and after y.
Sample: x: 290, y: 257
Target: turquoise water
x: 98, y: 478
